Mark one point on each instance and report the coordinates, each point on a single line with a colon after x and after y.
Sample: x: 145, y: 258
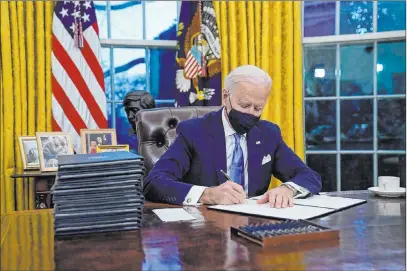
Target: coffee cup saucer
x: 394, y: 193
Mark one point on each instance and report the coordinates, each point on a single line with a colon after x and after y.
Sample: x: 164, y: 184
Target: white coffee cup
x: 388, y: 183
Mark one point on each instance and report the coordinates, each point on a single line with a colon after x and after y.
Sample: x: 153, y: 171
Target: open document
x: 312, y: 207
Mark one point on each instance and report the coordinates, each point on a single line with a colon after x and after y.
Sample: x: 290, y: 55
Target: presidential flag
x: 198, y: 76
x: 78, y: 91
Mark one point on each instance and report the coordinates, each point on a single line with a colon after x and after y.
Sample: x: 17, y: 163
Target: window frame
x: 352, y: 39
x: 112, y: 43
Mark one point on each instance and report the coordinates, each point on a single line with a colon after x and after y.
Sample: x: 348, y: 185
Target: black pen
x: 229, y: 179
x: 227, y: 176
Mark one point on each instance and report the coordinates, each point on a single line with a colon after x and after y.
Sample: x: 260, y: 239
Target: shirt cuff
x: 299, y: 190
x: 194, y: 195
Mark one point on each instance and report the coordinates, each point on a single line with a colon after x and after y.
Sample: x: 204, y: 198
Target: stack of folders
x: 98, y: 193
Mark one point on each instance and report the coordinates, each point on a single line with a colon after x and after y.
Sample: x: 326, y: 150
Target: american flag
x: 193, y: 63
x: 78, y: 91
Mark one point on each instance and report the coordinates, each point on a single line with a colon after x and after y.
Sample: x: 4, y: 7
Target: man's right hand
x: 226, y: 193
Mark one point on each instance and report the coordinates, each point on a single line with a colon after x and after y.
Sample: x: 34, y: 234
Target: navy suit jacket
x: 199, y: 153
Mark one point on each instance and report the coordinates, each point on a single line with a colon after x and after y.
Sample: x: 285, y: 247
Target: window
x: 138, y: 53
x: 355, y: 91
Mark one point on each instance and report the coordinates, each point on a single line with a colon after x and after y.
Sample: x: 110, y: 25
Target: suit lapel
x: 217, y: 148
x: 254, y: 157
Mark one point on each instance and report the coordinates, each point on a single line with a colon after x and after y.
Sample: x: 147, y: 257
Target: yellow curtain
x: 25, y: 89
x: 268, y: 34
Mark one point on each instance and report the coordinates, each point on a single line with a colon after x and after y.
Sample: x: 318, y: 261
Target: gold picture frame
x: 91, y: 138
x: 112, y: 148
x: 29, y: 152
x: 50, y: 146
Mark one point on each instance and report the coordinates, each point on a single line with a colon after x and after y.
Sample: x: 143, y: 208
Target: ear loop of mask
x: 230, y: 102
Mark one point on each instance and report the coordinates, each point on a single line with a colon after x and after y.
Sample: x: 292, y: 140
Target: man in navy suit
x: 231, y: 143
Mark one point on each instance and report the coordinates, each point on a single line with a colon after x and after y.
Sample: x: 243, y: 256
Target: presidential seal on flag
x: 198, y: 78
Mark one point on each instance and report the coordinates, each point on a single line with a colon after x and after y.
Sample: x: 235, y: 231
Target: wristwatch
x: 295, y: 191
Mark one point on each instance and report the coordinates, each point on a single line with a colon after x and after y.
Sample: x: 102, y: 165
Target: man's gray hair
x: 247, y: 73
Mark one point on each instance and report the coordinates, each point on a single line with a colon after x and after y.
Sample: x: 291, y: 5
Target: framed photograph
x: 29, y: 152
x: 50, y: 146
x: 92, y: 138
x: 112, y: 148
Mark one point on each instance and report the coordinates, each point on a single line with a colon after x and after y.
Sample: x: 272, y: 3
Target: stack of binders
x: 98, y: 193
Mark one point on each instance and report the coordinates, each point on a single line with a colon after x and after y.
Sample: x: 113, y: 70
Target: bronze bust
x: 134, y: 101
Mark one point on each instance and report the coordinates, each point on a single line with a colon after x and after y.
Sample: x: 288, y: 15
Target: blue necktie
x: 237, y: 166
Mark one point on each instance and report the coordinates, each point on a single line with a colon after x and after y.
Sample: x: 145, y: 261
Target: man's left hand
x: 280, y: 197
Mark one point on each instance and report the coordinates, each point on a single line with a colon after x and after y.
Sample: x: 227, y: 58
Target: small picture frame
x: 29, y: 152
x: 50, y: 146
x: 112, y: 148
x: 92, y: 138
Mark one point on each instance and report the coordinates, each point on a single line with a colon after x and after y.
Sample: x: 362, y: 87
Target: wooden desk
x: 372, y: 238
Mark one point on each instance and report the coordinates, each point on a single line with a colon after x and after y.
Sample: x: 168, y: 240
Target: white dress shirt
x: 196, y: 191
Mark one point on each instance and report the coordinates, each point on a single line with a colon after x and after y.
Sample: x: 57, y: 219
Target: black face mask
x: 242, y: 123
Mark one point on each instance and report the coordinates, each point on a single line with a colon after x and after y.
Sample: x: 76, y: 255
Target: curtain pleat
x: 31, y: 107
x: 2, y: 184
x: 7, y: 117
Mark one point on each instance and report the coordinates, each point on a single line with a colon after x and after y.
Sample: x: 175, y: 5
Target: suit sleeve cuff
x: 299, y: 190
x: 194, y: 195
